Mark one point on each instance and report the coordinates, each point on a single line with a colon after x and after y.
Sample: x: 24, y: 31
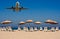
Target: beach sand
x: 29, y: 35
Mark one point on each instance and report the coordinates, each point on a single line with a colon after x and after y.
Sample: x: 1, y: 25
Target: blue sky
x: 38, y: 10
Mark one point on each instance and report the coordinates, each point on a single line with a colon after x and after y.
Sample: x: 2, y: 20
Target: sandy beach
x: 29, y: 35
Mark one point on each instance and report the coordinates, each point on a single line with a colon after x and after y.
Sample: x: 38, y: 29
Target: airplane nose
x: 17, y: 2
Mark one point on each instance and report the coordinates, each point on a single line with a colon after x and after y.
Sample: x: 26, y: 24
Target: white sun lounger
x: 45, y: 29
x: 53, y: 29
x: 19, y: 28
x: 25, y: 29
x: 35, y: 28
x: 57, y: 29
x: 31, y: 29
x: 41, y: 28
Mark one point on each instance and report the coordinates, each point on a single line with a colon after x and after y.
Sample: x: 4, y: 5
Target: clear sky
x: 38, y: 10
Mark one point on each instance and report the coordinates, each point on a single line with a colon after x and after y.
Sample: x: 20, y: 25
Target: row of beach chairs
x: 53, y: 29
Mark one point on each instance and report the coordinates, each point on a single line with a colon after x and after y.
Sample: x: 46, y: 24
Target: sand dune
x: 29, y: 35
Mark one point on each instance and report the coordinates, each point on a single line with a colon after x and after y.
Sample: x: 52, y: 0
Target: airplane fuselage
x: 17, y: 6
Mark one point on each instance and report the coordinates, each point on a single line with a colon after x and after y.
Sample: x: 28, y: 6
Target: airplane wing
x: 11, y: 8
x: 22, y: 8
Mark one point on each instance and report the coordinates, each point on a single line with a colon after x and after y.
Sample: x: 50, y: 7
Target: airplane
x: 17, y: 7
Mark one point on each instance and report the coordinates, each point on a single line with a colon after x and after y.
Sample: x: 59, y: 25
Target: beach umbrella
x: 6, y: 22
x: 51, y: 22
x: 29, y: 23
x: 20, y: 23
x: 37, y: 23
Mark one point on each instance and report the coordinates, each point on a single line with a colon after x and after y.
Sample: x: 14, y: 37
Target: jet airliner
x: 17, y: 7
